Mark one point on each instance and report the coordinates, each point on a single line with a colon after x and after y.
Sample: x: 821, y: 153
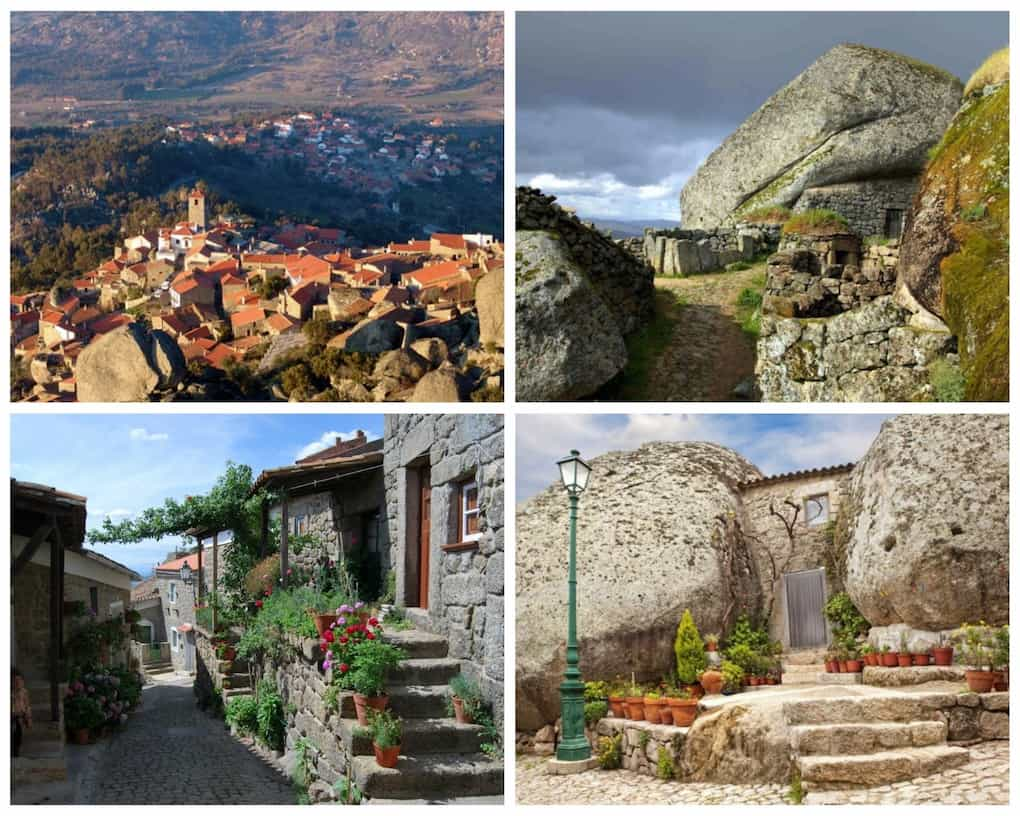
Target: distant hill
x: 122, y: 64
x: 630, y: 229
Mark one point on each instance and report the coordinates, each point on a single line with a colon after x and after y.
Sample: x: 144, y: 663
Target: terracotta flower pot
x: 711, y: 647
x: 920, y: 659
x: 683, y: 711
x: 363, y: 703
x: 458, y: 710
x: 652, y: 708
x: 943, y: 655
x: 322, y: 621
x: 831, y: 666
x: 980, y: 682
x: 872, y: 659
x: 665, y: 715
x: 712, y: 681
x: 889, y: 660
x: 618, y: 706
x: 904, y: 659
x: 386, y: 757
x: 635, y: 708
x: 842, y: 666
x: 1001, y: 681
x: 772, y: 681
x: 853, y: 666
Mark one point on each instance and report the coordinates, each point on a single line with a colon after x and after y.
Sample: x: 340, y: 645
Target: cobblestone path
x: 171, y: 752
x: 984, y: 780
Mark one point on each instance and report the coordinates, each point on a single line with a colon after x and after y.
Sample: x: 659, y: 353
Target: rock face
x: 129, y: 364
x: 629, y: 602
x: 738, y: 745
x: 955, y: 251
x: 926, y: 522
x: 489, y: 302
x: 856, y: 114
x: 578, y: 295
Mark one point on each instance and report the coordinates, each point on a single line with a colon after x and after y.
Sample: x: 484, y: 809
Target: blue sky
x: 776, y: 443
x: 124, y: 463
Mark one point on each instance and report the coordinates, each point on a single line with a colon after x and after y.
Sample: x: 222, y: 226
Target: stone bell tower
x: 197, y: 213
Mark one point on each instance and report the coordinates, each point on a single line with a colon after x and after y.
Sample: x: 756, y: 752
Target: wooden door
x: 805, y: 600
x: 424, y: 538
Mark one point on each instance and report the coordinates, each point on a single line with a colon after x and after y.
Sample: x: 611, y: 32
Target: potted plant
x: 888, y: 657
x: 853, y: 661
x: 82, y: 714
x: 226, y: 651
x: 464, y: 699
x: 370, y: 661
x: 683, y: 706
x: 920, y: 656
x: 1001, y: 658
x: 690, y: 653
x: 943, y: 653
x: 665, y: 713
x: 733, y: 677
x: 977, y: 653
x: 635, y: 701
x: 618, y: 699
x: 711, y: 642
x: 387, y: 733
x: 867, y: 654
x: 831, y: 664
x: 652, y: 703
x: 711, y: 681
x: 841, y: 658
x: 903, y: 658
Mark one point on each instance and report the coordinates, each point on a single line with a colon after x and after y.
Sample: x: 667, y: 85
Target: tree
x: 690, y: 650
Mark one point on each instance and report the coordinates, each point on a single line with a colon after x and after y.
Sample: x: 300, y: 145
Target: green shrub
x: 387, y: 728
x: 610, y: 752
x: 266, y: 573
x: 733, y: 675
x: 595, y: 711
x: 596, y: 690
x: 947, y: 381
x: 242, y: 713
x: 745, y: 633
x: 691, y: 660
x: 272, y: 724
x: 814, y: 222
x: 844, y: 616
x: 664, y: 764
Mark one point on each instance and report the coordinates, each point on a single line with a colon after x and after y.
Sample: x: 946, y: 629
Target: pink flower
x: 341, y: 621
x: 358, y: 605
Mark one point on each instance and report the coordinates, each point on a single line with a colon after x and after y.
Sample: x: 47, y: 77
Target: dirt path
x: 708, y: 354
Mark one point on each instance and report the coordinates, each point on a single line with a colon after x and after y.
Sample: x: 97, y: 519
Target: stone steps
x: 429, y: 777
x: 801, y: 673
x: 882, y: 768
x: 428, y: 736
x: 903, y: 709
x: 866, y: 738
x: 804, y: 657
x: 408, y: 702
x: 32, y: 770
x: 236, y: 682
x: 230, y: 693
x: 425, y: 671
x: 418, y: 644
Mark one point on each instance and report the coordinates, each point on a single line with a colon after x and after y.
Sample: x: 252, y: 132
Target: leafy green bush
x: 387, y: 729
x: 610, y: 752
x: 596, y: 690
x: 595, y: 711
x: 271, y: 721
x: 947, y: 381
x: 265, y: 574
x: 664, y: 764
x: 371, y: 661
x: 749, y: 297
x: 744, y: 633
x: 844, y: 616
x: 744, y: 657
x: 285, y: 611
x: 733, y: 676
x: 242, y: 713
x: 691, y: 660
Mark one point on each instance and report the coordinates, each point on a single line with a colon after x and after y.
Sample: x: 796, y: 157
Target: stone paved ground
x: 171, y: 752
x: 985, y: 779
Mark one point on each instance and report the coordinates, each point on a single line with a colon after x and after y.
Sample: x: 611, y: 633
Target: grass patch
x: 815, y: 222
x: 644, y: 347
x: 768, y: 214
x: 993, y: 70
x: 947, y: 381
x: 739, y: 266
x: 749, y: 306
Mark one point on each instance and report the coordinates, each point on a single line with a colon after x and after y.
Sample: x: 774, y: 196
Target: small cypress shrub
x: 691, y: 660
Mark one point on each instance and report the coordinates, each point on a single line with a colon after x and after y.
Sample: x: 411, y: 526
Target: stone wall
x: 30, y: 605
x: 863, y: 203
x: 465, y: 596
x: 768, y: 540
x: 975, y: 717
x: 77, y: 588
x: 181, y: 612
x: 638, y: 757
x: 625, y: 285
x: 690, y: 252
x: 821, y: 276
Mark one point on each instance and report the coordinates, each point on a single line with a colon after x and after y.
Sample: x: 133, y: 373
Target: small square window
x: 816, y: 509
x: 470, y: 514
x: 299, y: 525
x: 171, y: 593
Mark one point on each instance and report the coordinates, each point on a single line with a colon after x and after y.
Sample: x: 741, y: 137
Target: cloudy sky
x: 125, y: 463
x: 776, y: 443
x: 616, y: 110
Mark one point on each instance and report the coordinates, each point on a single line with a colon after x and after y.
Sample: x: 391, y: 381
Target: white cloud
x: 118, y: 512
x: 326, y: 441
x: 142, y: 435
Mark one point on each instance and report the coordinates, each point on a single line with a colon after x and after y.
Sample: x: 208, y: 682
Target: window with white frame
x: 175, y: 640
x: 469, y: 526
x: 299, y: 524
x: 171, y: 593
x: 816, y: 509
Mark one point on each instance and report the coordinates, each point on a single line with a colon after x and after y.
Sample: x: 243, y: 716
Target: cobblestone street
x: 171, y: 752
x: 984, y: 780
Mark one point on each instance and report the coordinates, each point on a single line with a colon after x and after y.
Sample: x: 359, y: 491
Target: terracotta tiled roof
x: 793, y: 475
x: 247, y: 316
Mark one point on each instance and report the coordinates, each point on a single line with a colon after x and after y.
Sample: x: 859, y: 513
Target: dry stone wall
x: 863, y: 203
x: 691, y: 252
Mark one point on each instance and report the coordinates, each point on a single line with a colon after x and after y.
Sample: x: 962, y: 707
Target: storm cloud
x: 615, y: 110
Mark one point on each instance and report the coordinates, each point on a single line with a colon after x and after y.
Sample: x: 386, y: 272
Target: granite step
x: 902, y: 708
x: 425, y: 671
x: 428, y: 777
x: 417, y: 643
x: 407, y: 702
x: 882, y: 768
x: 866, y: 738
x: 426, y: 736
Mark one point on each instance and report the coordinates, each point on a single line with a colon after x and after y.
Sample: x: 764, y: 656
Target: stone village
x: 843, y: 631
x: 407, y: 527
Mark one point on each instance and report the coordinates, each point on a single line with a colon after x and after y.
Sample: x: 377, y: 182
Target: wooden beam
x: 41, y: 533
x: 284, y: 537
x: 56, y: 621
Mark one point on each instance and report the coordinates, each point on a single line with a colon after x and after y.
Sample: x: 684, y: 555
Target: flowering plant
x: 345, y: 633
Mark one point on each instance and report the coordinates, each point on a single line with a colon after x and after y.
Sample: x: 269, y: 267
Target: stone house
x: 789, y: 522
x: 146, y: 601
x: 874, y: 207
x: 444, y: 497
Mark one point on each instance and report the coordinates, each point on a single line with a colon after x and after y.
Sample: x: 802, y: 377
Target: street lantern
x: 186, y: 573
x: 573, y: 747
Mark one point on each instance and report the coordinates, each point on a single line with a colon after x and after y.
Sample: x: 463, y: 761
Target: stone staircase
x: 234, y: 677
x: 159, y: 668
x: 41, y: 769
x: 440, y: 760
x: 802, y: 667
x: 843, y: 742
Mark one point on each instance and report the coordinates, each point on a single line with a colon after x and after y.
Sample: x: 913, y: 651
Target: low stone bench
x: 639, y: 757
x: 912, y: 675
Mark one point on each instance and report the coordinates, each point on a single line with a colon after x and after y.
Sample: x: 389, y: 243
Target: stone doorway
x: 805, y: 600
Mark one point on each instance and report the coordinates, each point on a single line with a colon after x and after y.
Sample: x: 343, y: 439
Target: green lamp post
x: 573, y: 747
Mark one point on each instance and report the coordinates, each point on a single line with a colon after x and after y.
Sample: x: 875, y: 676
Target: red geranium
x: 258, y: 604
x: 343, y: 668
x: 373, y: 622
x: 369, y: 635
x: 328, y: 635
